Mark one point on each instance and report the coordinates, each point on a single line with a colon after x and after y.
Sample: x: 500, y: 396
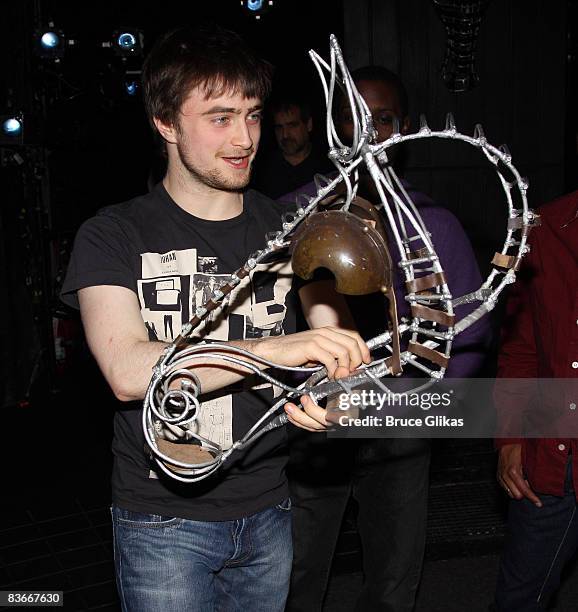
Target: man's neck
x: 201, y: 200
x: 298, y: 157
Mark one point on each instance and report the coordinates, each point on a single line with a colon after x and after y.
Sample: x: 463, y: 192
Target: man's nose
x: 242, y: 136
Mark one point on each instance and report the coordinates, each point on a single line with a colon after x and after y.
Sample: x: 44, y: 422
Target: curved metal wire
x: 173, y: 408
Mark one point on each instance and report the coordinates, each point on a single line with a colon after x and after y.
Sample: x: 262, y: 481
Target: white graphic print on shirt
x: 174, y: 284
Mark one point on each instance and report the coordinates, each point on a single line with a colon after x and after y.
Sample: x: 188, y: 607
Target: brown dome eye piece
x: 351, y: 249
x: 353, y: 246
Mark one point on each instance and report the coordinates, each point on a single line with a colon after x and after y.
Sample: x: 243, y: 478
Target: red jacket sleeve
x: 517, y: 358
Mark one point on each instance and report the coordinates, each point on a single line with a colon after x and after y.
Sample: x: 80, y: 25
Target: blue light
x: 50, y: 40
x: 12, y: 127
x: 127, y: 41
x: 255, y: 5
x: 131, y: 87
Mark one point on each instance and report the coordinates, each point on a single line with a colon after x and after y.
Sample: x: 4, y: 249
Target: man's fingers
x: 529, y: 494
x: 515, y: 482
x: 293, y: 421
x: 332, y: 357
x: 314, y: 411
x: 510, y: 488
x: 517, y: 487
x: 329, y: 346
x: 361, y: 345
x: 300, y: 419
x: 511, y: 474
x: 312, y: 417
x: 356, y: 347
x: 318, y: 354
x: 326, y: 358
x: 339, y: 352
x: 341, y: 372
x: 353, y: 346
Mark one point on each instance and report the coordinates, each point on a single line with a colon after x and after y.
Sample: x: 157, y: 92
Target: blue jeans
x: 540, y: 542
x: 178, y: 565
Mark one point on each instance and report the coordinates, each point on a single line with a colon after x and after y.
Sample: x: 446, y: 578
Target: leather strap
x: 431, y: 314
x: 504, y: 261
x: 418, y: 253
x: 423, y: 351
x: 425, y: 282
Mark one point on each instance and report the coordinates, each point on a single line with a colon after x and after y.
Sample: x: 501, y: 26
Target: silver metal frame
x: 174, y: 408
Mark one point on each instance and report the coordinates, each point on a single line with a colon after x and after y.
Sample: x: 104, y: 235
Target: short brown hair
x: 208, y: 57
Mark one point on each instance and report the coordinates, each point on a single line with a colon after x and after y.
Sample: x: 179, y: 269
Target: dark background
x: 87, y: 144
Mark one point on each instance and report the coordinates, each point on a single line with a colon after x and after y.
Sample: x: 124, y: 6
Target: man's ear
x: 309, y: 124
x: 167, y: 132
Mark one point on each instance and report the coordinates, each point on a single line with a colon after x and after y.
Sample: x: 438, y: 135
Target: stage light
x: 127, y: 42
x: 50, y: 40
x: 131, y: 83
x: 257, y: 8
x: 12, y: 126
x: 11, y: 129
x: 131, y: 88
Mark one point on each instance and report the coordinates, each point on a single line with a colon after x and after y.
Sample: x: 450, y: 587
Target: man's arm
x: 118, y: 339
x: 322, y: 306
x: 517, y: 359
x: 463, y: 276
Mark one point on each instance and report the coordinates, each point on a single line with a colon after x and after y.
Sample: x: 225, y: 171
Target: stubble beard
x: 212, y: 178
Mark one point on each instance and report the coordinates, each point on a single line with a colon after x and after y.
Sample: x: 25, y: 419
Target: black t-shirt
x: 275, y: 176
x: 172, y: 261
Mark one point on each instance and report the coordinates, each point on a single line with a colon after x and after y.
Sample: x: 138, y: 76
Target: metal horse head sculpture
x: 339, y: 231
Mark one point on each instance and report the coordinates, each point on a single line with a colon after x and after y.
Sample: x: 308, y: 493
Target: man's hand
x: 311, y: 418
x: 341, y: 351
x: 510, y: 474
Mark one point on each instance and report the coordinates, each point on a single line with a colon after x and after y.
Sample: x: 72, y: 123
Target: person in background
x: 388, y: 478
x: 297, y: 159
x: 539, y: 474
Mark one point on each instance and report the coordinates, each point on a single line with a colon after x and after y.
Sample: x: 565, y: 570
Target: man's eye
x: 384, y: 119
x: 220, y: 120
x: 256, y: 118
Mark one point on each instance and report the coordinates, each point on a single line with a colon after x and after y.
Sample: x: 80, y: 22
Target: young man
x: 137, y: 272
x: 297, y: 160
x: 388, y: 478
